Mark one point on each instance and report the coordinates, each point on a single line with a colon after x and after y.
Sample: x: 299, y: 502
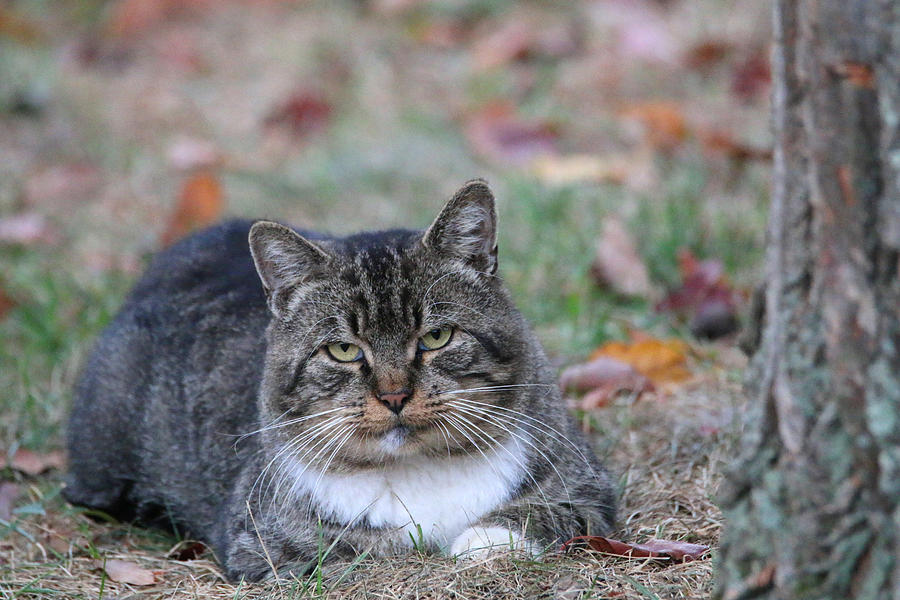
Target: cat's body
x: 376, y: 392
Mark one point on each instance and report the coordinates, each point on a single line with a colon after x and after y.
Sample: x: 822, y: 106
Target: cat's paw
x: 477, y: 542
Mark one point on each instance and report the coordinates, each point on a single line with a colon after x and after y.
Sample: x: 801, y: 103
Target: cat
x: 305, y: 393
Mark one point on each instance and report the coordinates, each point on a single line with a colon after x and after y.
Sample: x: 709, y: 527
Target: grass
x: 393, y: 150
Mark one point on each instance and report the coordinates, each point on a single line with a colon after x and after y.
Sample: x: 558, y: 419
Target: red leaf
x: 303, y: 113
x: 652, y: 548
x: 752, y: 77
x: 35, y: 463
x: 498, y: 134
x: 187, y: 550
x: 705, y: 298
x: 6, y: 303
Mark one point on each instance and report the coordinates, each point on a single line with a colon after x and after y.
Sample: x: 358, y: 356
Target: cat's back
x: 190, y: 334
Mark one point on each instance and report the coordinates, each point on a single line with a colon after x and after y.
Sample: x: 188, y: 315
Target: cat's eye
x: 436, y: 338
x: 344, y: 351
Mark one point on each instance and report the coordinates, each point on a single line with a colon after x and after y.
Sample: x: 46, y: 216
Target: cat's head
x: 375, y: 336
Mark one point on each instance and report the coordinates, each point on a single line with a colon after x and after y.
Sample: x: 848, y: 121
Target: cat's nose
x: 395, y: 400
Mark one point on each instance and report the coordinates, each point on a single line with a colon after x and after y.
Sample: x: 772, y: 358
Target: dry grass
x: 96, y: 163
x: 669, y: 452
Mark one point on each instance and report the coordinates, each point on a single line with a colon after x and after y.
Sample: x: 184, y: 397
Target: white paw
x: 477, y: 542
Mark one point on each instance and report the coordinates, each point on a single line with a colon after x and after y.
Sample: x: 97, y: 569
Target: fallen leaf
x: 617, y: 264
x: 661, y: 361
x: 187, y: 550
x: 579, y: 168
x: 35, y: 463
x: 652, y: 548
x: 752, y: 77
x: 8, y: 494
x: 6, y: 303
x: 17, y: 28
x: 123, y: 571
x: 857, y: 73
x: 498, y: 134
x: 717, y: 141
x: 706, y: 54
x: 199, y: 204
x: 602, y: 379
x: 663, y: 123
x: 26, y: 229
x: 705, y: 298
x: 302, y: 113
x: 596, y: 372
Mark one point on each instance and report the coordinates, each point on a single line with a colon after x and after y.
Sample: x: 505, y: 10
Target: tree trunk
x: 812, y: 507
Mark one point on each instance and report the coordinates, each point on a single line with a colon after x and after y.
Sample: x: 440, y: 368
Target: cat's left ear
x: 466, y: 229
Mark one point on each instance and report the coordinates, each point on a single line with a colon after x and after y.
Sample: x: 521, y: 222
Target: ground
x: 367, y: 114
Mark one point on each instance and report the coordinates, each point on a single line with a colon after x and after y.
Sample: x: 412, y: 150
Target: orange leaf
x: 661, y: 361
x: 200, y: 204
x: 663, y: 122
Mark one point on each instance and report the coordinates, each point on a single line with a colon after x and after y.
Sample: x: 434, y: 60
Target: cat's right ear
x: 284, y: 260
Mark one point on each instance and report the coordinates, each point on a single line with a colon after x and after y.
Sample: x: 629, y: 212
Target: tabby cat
x: 377, y: 392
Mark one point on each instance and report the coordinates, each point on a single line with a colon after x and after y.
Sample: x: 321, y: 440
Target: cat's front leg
x: 533, y: 524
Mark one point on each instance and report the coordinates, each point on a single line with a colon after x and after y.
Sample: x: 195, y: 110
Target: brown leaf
x: 661, y: 361
x: 187, y: 550
x: 706, y: 54
x: 6, y: 303
x: 654, y: 548
x: 602, y: 378
x: 8, y: 494
x: 123, y: 571
x: 498, y: 134
x: 617, y: 264
x: 857, y: 73
x: 663, y: 123
x: 17, y: 28
x: 723, y: 143
x: 199, y: 205
x: 35, y: 463
x: 580, y: 168
x: 302, y: 113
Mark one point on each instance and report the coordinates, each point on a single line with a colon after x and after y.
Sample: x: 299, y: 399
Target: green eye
x: 344, y: 351
x: 436, y: 338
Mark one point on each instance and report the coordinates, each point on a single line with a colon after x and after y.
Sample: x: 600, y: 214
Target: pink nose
x: 395, y: 400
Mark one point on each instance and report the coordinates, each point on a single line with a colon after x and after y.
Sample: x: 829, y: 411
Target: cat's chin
x: 396, y: 441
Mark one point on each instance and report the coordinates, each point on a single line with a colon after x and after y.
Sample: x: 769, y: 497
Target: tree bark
x: 812, y: 507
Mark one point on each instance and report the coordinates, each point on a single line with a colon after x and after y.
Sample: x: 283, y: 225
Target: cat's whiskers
x: 492, y: 388
x: 507, y: 425
x: 497, y: 444
x: 435, y: 282
x: 297, y: 443
x: 347, y: 433
x: 275, y: 424
x: 325, y: 435
x: 477, y: 312
x: 537, y: 425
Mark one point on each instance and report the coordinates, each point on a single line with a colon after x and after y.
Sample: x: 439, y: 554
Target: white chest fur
x: 442, y: 496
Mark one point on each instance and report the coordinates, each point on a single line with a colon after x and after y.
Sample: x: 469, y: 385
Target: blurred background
x: 627, y: 142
